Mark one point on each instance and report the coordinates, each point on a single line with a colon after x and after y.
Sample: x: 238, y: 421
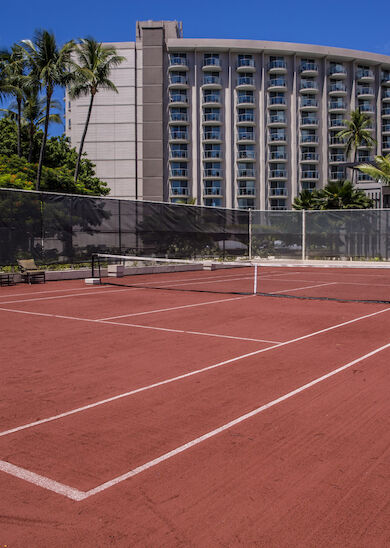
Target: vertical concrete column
x: 196, y: 123
x: 323, y: 149
x: 261, y: 131
x: 378, y: 92
x: 229, y: 137
x: 294, y: 134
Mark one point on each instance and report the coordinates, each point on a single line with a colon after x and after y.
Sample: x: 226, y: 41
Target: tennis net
x: 339, y: 281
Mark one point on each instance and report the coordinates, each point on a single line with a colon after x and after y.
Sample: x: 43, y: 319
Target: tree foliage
x: 379, y: 170
x: 335, y: 195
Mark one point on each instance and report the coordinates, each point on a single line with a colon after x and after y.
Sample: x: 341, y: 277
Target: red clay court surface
x: 136, y: 417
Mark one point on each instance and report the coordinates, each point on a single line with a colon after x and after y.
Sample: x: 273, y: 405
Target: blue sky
x: 355, y: 24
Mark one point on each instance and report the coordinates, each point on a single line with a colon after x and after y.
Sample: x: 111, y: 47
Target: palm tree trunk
x: 19, y: 102
x: 76, y: 171
x: 43, y: 146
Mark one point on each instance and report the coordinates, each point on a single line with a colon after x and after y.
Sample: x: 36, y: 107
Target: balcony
x: 212, y: 191
x: 336, y: 141
x: 312, y: 175
x: 277, y: 156
x: 246, y: 65
x: 337, y: 106
x: 365, y: 75
x: 246, y: 174
x: 178, y: 62
x: 177, y: 81
x: 386, y: 129
x: 212, y: 154
x: 278, y: 192
x: 386, y: 146
x: 245, y: 82
x: 338, y: 71
x: 213, y: 173
x: 245, y: 136
x: 248, y: 117
x: 308, y: 140
x: 211, y: 82
x: 280, y: 174
x: 363, y: 91
x: 337, y: 124
x: 212, y: 99
x: 309, y: 121
x: 364, y: 177
x: 277, y: 120
x: 277, y: 103
x: 337, y: 88
x: 336, y: 158
x: 212, y: 118
x: 310, y: 157
x: 211, y: 63
x: 178, y: 117
x: 308, y: 86
x: 248, y: 155
x: 178, y: 99
x: 309, y: 69
x: 277, y: 84
x: 386, y: 112
x: 246, y: 100
x: 367, y: 109
x: 385, y: 80
x: 178, y: 154
x: 178, y: 136
x: 178, y: 173
x: 277, y: 138
x: 337, y: 175
x: 246, y: 191
x: 308, y: 103
x: 178, y: 191
x: 212, y: 136
x: 277, y: 67
x: 386, y: 95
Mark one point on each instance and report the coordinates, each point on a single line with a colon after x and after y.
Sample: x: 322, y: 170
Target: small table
x: 6, y: 279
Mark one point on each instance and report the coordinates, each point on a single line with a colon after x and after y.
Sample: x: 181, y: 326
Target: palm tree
x: 379, y: 170
x: 33, y: 114
x: 91, y: 73
x: 14, y: 81
x: 306, y: 199
x: 356, y: 133
x: 50, y: 68
x: 343, y: 195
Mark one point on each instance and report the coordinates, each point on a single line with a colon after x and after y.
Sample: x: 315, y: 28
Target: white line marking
x: 304, y: 287
x: 54, y: 291
x: 70, y: 296
x: 174, y: 308
x: 77, y: 495
x: 186, y: 375
x: 41, y: 481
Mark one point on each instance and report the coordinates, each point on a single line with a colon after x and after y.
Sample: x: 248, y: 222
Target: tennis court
x: 137, y: 416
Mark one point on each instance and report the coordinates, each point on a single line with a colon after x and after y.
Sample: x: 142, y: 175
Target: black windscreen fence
x: 56, y: 228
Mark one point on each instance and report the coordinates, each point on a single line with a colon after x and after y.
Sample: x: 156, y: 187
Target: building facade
x: 231, y: 123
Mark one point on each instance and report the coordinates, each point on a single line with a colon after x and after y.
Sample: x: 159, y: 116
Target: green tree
x: 306, y: 200
x: 15, y: 81
x: 335, y: 195
x: 357, y: 133
x: 379, y: 170
x: 49, y: 68
x: 90, y: 74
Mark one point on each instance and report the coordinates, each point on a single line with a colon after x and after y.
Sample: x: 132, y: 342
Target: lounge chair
x: 6, y: 278
x: 31, y: 274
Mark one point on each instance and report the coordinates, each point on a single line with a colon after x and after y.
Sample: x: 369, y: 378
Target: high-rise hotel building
x: 231, y: 123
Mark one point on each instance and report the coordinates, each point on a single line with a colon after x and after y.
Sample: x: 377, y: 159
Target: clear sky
x: 360, y: 25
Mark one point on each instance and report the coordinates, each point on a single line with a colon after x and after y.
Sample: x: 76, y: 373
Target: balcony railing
x: 366, y: 108
x: 337, y: 158
x: 364, y: 73
x: 247, y: 117
x: 311, y: 156
x: 213, y: 172
x: 336, y: 141
x: 364, y: 177
x: 337, y: 175
x: 308, y: 84
x: 209, y: 135
x: 277, y: 101
x: 309, y: 139
x: 337, y: 69
x: 339, y: 86
x: 245, y: 81
x: 336, y: 123
x: 178, y: 154
x: 245, y: 99
x: 277, y: 119
x: 277, y: 64
x: 306, y: 102
x: 179, y: 191
x: 246, y: 63
x: 385, y: 128
x: 278, y: 155
x: 246, y: 191
x: 176, y: 79
x: 386, y: 111
x: 245, y: 173
x: 333, y: 105
x: 246, y: 154
x: 276, y: 173
x: 178, y: 172
x: 210, y: 154
x: 178, y: 117
x: 179, y: 135
x: 309, y: 66
x: 277, y: 82
x: 309, y: 175
x: 278, y: 192
x: 208, y: 79
x: 277, y: 137
x: 212, y: 117
x: 212, y: 61
x: 212, y: 191
x: 386, y: 94
x: 309, y: 121
x: 177, y: 61
x: 245, y: 136
x: 178, y: 98
x: 211, y: 98
x: 361, y: 90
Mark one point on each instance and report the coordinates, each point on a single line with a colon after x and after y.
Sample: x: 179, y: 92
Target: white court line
x: 175, y: 308
x: 185, y: 375
x: 77, y: 495
x: 70, y: 296
x: 304, y: 287
x: 54, y: 291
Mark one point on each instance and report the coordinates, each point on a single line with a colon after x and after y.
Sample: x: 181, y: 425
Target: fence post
x: 250, y: 234
x: 303, y: 234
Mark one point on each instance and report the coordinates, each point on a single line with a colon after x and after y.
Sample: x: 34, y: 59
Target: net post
x: 250, y: 234
x: 303, y: 234
x: 255, y: 280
